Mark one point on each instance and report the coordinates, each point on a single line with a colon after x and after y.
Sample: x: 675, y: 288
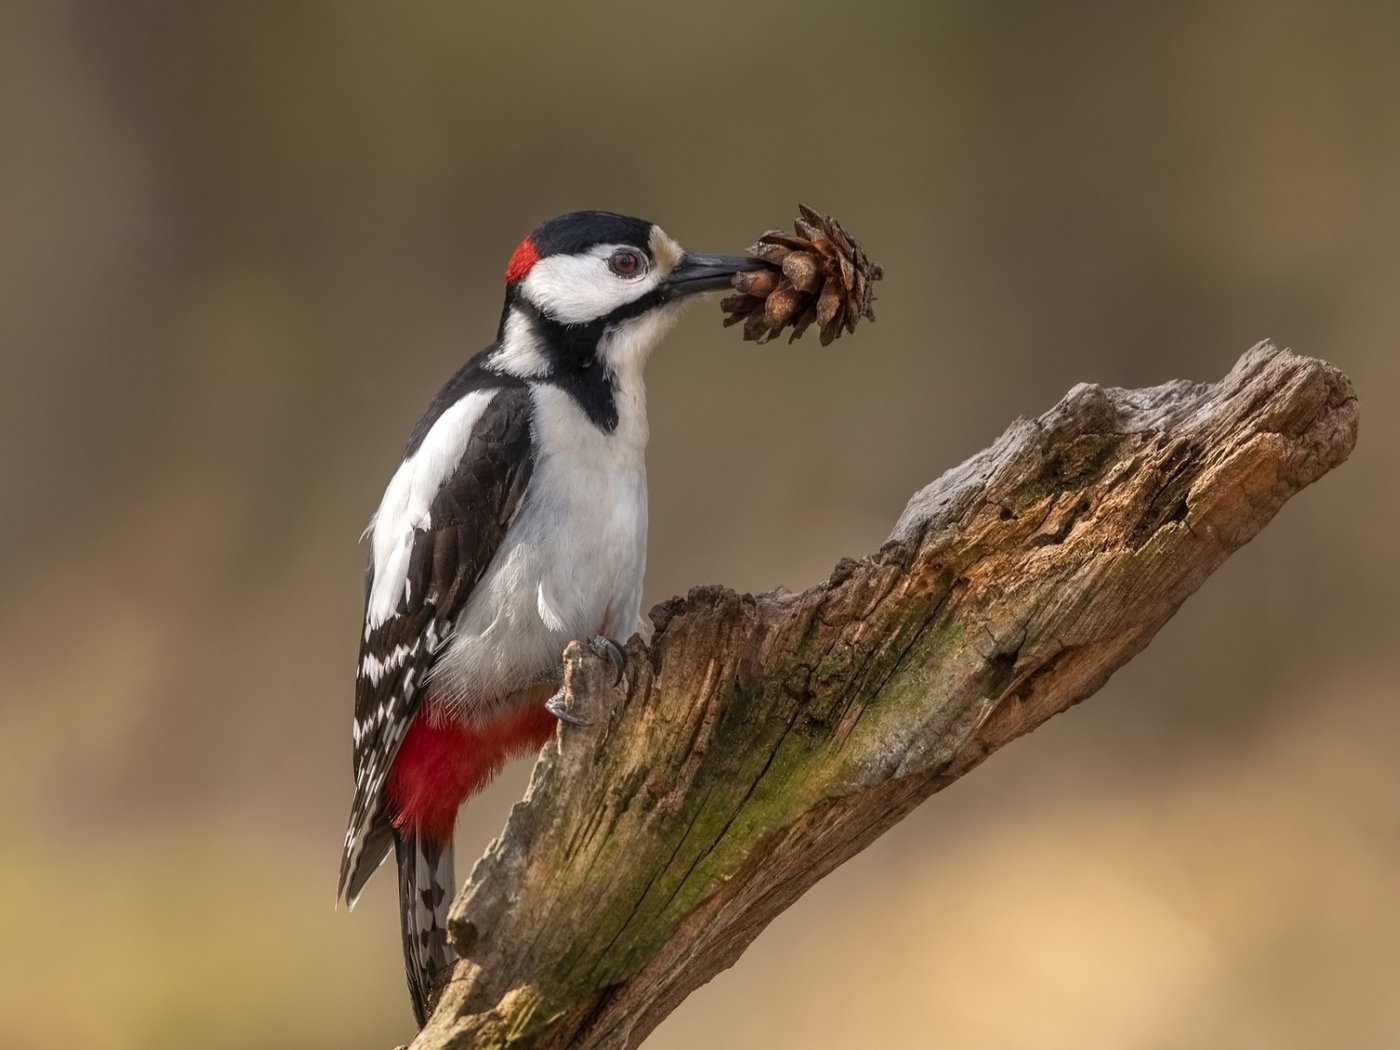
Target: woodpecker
x: 515, y: 523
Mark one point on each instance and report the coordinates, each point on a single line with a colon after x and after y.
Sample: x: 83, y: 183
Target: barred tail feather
x: 425, y: 892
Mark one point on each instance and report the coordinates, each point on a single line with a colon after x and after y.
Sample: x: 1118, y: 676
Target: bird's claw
x: 556, y: 705
x: 607, y: 649
x: 604, y: 649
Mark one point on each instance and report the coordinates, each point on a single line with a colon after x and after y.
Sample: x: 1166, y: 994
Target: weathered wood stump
x: 759, y: 741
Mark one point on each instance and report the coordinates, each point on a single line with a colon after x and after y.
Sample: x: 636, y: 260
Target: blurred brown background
x: 240, y: 246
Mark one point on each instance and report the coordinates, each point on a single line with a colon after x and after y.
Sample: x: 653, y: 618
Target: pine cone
x: 820, y: 274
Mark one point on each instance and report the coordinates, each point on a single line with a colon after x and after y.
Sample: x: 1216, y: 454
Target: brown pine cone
x: 820, y: 273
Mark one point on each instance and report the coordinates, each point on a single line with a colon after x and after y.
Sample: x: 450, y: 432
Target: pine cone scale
x: 820, y: 275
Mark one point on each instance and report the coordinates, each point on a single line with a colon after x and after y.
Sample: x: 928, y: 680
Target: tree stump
x: 759, y: 741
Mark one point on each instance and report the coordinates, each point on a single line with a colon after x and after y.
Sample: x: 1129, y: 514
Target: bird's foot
x: 609, y: 650
x: 557, y: 705
x: 604, y: 649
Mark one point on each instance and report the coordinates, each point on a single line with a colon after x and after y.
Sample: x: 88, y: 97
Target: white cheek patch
x: 577, y: 289
x: 408, y: 499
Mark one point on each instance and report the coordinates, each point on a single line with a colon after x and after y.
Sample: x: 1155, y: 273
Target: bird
x: 515, y: 523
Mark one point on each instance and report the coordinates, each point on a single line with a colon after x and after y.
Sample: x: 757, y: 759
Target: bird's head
x: 599, y: 284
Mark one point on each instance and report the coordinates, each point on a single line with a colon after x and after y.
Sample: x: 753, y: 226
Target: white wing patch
x: 407, y: 500
x: 374, y: 668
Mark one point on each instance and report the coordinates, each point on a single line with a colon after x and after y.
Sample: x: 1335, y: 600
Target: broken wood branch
x: 759, y: 741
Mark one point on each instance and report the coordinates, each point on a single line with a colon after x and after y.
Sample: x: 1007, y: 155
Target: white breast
x: 571, y: 565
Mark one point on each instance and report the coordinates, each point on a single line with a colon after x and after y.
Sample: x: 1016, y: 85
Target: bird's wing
x: 444, y: 515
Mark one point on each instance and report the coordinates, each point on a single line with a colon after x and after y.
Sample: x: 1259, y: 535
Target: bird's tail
x: 425, y: 885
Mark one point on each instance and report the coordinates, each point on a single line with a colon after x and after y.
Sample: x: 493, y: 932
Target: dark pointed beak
x: 709, y: 273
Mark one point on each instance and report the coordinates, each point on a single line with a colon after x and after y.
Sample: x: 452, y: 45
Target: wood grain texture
x: 759, y: 741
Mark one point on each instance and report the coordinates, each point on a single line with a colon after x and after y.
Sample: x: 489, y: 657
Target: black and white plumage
x: 425, y: 890
x: 448, y: 508
x: 515, y: 523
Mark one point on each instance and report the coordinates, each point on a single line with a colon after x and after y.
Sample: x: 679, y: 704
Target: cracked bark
x: 759, y: 741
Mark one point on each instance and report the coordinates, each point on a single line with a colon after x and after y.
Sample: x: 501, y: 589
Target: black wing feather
x: 468, y: 519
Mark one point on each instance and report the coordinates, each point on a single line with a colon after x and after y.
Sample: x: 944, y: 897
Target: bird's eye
x: 625, y: 263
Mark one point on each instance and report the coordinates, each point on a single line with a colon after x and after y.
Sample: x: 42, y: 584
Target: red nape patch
x: 524, y: 257
x: 439, y: 767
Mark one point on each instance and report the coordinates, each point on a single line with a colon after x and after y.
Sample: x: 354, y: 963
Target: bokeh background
x: 242, y: 243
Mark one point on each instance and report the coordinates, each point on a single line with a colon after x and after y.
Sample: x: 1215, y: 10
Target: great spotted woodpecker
x: 516, y: 523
